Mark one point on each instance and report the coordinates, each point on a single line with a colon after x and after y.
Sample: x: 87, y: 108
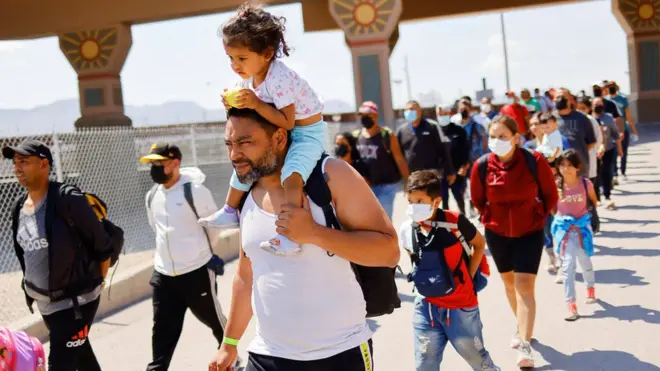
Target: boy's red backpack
x: 20, y: 352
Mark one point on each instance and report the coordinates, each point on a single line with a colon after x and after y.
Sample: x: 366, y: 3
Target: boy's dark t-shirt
x: 577, y: 129
x: 464, y: 297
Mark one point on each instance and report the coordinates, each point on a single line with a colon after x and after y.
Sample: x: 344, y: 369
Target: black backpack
x: 116, y: 234
x: 377, y: 283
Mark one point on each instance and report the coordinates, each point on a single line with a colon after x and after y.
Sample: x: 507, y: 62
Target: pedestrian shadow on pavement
x: 625, y: 277
x: 620, y: 251
x: 628, y: 234
x: 373, y: 325
x: 406, y: 297
x: 606, y: 360
x: 631, y: 181
x: 622, y: 192
x: 641, y: 222
x: 628, y: 313
x: 644, y: 174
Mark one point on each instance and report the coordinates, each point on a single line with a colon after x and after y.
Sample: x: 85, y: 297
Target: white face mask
x: 499, y: 147
x: 486, y: 108
x: 420, y: 212
x: 444, y: 120
x: 511, y: 100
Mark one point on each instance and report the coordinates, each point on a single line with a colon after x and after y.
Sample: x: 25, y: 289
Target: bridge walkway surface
x: 619, y: 333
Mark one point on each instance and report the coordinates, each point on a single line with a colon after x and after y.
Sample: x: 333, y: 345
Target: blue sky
x: 569, y: 45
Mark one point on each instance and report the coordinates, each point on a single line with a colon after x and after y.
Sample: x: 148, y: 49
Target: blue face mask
x: 410, y: 116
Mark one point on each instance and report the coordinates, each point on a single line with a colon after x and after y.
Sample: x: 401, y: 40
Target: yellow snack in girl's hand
x: 231, y: 95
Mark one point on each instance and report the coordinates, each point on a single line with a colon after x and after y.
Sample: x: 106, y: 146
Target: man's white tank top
x: 308, y: 306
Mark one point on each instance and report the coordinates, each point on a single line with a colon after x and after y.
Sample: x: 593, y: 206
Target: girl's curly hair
x: 256, y: 29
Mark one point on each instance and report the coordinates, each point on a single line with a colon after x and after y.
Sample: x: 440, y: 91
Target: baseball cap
x: 368, y: 107
x: 510, y: 93
x: 162, y: 151
x: 29, y: 147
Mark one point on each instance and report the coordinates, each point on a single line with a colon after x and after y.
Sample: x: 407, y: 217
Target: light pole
x: 397, y: 83
x: 506, y: 54
x: 405, y: 69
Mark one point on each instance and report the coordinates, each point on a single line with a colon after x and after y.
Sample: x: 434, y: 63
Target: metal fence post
x: 57, y: 157
x: 193, y: 144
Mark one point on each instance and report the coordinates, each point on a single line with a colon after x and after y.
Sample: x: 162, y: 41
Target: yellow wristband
x: 230, y: 341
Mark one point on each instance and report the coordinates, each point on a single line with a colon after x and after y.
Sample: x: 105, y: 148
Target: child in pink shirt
x: 571, y: 229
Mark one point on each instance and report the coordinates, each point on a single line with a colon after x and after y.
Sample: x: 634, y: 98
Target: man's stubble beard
x: 266, y: 165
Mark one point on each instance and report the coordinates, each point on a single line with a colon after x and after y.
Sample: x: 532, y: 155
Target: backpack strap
x: 386, y: 135
x: 415, y: 227
x: 318, y: 190
x: 20, y: 255
x: 187, y: 194
x: 530, y: 161
x: 151, y: 194
x: 482, y: 168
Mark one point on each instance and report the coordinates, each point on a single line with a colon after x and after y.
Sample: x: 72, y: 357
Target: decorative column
x: 640, y: 20
x: 371, y: 29
x: 98, y: 55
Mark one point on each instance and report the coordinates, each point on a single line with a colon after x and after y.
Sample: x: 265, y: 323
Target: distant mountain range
x: 60, y: 116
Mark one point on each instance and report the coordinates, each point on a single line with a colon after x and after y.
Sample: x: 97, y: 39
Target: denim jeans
x: 548, y: 243
x: 434, y: 327
x: 573, y: 254
x: 607, y: 172
x: 385, y: 194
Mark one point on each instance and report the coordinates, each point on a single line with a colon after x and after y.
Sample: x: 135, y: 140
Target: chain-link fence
x: 106, y: 162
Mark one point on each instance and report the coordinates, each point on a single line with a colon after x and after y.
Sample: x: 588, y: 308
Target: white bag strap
x: 453, y: 228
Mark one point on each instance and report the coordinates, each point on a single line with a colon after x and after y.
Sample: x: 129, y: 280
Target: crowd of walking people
x: 531, y: 173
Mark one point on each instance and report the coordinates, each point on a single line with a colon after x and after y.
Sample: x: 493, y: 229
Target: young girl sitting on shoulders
x: 571, y: 229
x: 254, y: 40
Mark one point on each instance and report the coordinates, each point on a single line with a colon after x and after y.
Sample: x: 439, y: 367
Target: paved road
x: 619, y: 333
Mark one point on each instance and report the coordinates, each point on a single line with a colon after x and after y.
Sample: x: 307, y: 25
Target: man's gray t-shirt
x: 31, y: 236
x: 610, y: 130
x: 577, y: 129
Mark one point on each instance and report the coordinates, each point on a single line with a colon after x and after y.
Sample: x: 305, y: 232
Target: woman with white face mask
x: 514, y: 206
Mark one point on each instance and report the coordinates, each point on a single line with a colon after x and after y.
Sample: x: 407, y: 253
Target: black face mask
x: 464, y: 114
x: 367, y: 122
x: 612, y: 90
x: 158, y: 174
x: 341, y: 150
x: 561, y: 103
x: 598, y: 92
x: 599, y: 109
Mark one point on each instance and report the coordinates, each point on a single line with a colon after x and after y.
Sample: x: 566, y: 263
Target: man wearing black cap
x: 67, y: 296
x: 184, y: 277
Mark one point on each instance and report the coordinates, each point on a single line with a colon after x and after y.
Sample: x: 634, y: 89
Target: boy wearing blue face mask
x: 446, y: 277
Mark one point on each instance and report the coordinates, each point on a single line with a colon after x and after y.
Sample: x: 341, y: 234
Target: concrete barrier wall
x: 130, y: 286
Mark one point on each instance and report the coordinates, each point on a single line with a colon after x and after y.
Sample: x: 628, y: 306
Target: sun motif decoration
x: 363, y: 17
x: 90, y: 49
x: 641, y: 13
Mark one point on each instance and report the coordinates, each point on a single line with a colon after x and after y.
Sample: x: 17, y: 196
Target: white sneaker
x: 221, y: 219
x: 515, y: 341
x: 281, y: 245
x: 559, y: 278
x: 525, y: 356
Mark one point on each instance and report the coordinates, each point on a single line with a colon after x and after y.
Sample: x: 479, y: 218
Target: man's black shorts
x: 356, y: 359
